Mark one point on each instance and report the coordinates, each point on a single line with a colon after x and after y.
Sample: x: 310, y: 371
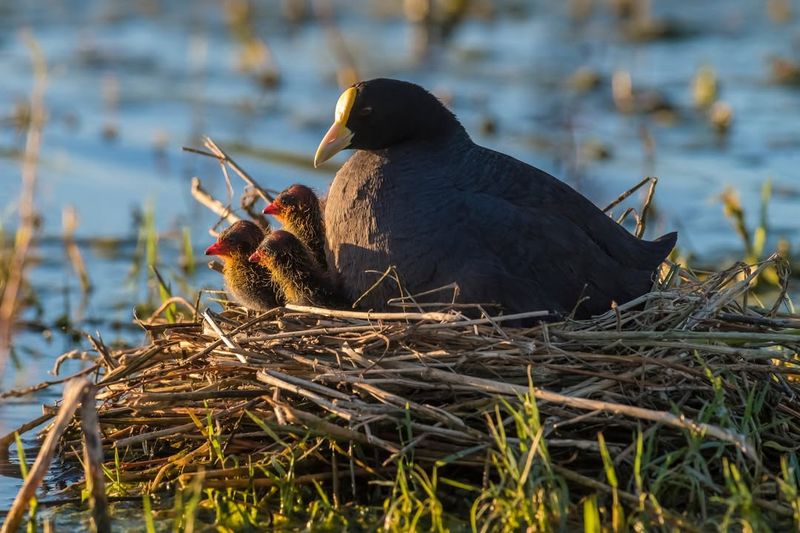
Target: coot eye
x: 364, y: 111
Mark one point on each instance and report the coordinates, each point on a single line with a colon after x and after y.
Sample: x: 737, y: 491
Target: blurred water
x: 131, y: 82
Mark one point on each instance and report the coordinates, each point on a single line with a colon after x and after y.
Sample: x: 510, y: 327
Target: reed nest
x: 691, y: 370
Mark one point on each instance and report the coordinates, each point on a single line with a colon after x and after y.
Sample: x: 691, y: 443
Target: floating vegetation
x: 584, y: 79
x: 721, y: 117
x: 705, y: 87
x: 785, y: 71
x: 255, y: 57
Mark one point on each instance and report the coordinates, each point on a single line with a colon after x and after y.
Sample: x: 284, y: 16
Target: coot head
x: 380, y: 113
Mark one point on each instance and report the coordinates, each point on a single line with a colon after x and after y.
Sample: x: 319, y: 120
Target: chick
x: 250, y: 284
x: 299, y: 277
x: 298, y: 209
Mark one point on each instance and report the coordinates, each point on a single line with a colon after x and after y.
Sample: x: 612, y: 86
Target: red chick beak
x: 273, y: 209
x: 255, y: 257
x: 215, y: 249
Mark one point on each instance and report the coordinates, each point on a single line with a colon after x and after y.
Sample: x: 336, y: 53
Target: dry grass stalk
x: 69, y: 222
x: 214, y: 205
x: 9, y: 300
x: 226, y: 161
x: 370, y: 315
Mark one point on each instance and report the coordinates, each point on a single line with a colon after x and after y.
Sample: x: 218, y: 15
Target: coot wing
x: 527, y: 187
x: 535, y: 258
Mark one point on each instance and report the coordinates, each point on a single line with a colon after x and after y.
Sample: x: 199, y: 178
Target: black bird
x: 419, y: 194
x: 296, y: 272
x: 298, y: 209
x: 249, y: 284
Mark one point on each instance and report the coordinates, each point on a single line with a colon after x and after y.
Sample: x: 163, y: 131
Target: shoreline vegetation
x: 679, y: 410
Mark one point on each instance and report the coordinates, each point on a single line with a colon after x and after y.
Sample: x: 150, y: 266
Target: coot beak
x: 216, y: 249
x: 255, y: 257
x: 338, y: 137
x: 273, y: 208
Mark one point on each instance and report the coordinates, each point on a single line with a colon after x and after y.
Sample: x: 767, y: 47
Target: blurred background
x: 600, y: 93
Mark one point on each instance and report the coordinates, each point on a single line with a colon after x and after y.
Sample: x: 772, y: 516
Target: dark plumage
x: 420, y: 195
x: 296, y: 272
x: 249, y: 284
x: 298, y: 209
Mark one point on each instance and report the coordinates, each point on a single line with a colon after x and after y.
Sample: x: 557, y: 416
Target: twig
x: 622, y: 197
x: 101, y: 348
x: 641, y: 223
x: 8, y: 438
x: 370, y: 315
x: 220, y: 154
x: 710, y: 336
x: 166, y: 303
x: 229, y: 343
x: 214, y: 205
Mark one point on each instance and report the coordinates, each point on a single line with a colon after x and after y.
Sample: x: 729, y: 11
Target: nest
x: 689, y: 371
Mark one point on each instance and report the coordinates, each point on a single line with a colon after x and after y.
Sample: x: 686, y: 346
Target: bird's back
x: 503, y: 230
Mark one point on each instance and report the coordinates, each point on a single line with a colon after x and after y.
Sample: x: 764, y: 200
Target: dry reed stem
x: 73, y: 391
x: 347, y: 72
x: 93, y: 461
x: 69, y: 217
x: 626, y: 194
x: 9, y: 301
x: 641, y: 223
x: 371, y: 315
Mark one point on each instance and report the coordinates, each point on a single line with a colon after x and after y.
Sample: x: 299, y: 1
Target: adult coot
x: 420, y: 195
x: 249, y: 284
x: 298, y: 209
x: 294, y: 269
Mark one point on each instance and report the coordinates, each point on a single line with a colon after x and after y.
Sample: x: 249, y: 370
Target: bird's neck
x: 439, y: 125
x: 298, y: 284
x: 430, y: 121
x: 234, y: 260
x: 424, y: 157
x: 236, y: 268
x: 451, y: 143
x: 310, y: 229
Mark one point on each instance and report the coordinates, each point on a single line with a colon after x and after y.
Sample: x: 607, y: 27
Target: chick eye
x: 364, y: 111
